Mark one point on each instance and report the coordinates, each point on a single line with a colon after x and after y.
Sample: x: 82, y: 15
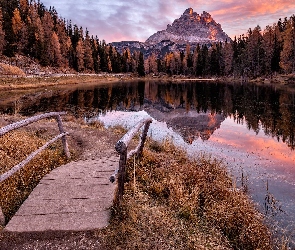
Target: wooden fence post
x: 144, y: 135
x: 2, y: 218
x: 122, y: 149
x: 64, y: 140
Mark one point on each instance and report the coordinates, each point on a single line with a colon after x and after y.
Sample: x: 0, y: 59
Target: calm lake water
x: 251, y: 128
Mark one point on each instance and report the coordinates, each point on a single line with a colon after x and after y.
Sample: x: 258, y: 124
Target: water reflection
x: 259, y: 107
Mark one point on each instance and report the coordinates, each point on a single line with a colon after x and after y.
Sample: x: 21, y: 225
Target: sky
x: 136, y: 20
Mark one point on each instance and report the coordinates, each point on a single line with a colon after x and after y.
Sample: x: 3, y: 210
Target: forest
x: 30, y: 29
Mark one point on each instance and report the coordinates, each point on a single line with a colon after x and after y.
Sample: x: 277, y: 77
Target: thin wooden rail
x: 122, y: 146
x: 25, y: 122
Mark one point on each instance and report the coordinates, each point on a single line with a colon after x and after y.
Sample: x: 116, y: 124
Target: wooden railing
x: 121, y: 147
x: 26, y: 122
x: 16, y: 125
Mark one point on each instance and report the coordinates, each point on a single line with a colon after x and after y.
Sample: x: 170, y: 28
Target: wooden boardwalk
x: 74, y: 197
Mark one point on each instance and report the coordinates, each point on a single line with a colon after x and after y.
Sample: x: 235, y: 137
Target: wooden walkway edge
x: 74, y: 197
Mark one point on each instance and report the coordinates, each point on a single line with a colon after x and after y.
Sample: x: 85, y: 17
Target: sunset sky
x: 138, y: 19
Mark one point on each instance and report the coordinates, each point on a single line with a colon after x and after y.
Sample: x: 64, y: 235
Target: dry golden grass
x: 174, y: 203
x: 15, y: 147
x: 10, y: 70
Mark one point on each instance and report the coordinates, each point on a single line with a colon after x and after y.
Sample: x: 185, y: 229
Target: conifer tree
x: 96, y: 57
x: 2, y: 33
x: 227, y: 56
x: 54, y: 55
x: 288, y: 53
x: 80, y: 55
x: 88, y: 58
x: 255, y: 52
x: 140, y: 68
x: 64, y: 41
x: 195, y: 59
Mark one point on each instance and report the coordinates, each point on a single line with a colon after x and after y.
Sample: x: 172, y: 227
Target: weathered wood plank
x: 28, y: 121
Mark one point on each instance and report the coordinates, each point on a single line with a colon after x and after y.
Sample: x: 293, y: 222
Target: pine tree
x: 227, y: 55
x: 8, y: 8
x: 214, y: 61
x: 88, y: 59
x: 140, y: 68
x: 47, y: 48
x: 24, y: 8
x: 278, y: 47
x: 80, y: 55
x: 2, y: 33
x: 288, y: 53
x: 195, y: 59
x: 255, y: 52
x: 96, y: 57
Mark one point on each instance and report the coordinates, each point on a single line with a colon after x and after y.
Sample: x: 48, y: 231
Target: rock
x: 191, y: 28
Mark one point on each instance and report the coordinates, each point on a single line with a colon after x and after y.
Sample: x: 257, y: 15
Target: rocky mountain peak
x: 191, y: 28
x: 188, y: 11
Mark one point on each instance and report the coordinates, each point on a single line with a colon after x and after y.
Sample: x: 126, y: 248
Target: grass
x: 175, y: 203
x: 15, y: 147
x: 10, y: 70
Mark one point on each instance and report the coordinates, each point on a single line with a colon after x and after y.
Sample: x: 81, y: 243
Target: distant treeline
x: 28, y: 28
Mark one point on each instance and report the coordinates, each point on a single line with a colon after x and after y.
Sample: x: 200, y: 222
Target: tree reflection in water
x: 260, y: 107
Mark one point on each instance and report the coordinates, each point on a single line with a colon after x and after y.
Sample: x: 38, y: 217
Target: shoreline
x: 10, y: 83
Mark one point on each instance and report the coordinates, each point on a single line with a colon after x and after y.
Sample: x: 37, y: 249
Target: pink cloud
x: 137, y: 19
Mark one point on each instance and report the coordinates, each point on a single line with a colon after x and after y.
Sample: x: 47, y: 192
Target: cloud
x: 139, y: 19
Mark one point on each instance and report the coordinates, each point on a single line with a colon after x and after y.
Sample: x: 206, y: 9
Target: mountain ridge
x: 191, y: 28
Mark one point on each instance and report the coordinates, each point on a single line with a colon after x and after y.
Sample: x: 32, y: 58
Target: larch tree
x: 109, y: 64
x: 64, y: 41
x: 151, y: 64
x: 80, y: 55
x: 55, y: 57
x: 17, y: 27
x: 88, y: 57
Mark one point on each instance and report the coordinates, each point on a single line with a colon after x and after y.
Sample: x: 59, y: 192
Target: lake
x: 250, y: 128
